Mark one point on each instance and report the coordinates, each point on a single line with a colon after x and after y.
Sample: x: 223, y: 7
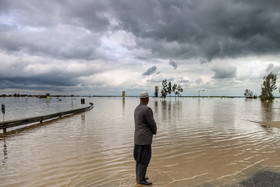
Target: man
x: 145, y: 128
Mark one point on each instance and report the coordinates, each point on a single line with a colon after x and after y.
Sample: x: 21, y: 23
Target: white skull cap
x: 144, y: 95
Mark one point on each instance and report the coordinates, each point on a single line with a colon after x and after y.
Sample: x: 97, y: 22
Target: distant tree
x: 268, y: 86
x: 163, y: 94
x: 248, y: 93
x: 169, y: 88
x: 164, y: 90
x: 179, y: 90
x: 174, y: 88
x: 156, y: 91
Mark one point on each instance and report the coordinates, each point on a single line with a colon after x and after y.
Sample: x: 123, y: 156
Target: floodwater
x: 200, y: 142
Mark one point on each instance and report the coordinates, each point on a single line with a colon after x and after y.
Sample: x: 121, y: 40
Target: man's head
x: 144, y: 97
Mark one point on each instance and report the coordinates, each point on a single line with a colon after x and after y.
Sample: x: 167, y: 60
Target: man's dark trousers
x: 142, y: 155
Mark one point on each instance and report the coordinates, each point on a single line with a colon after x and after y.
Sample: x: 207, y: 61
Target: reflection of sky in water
x: 199, y: 142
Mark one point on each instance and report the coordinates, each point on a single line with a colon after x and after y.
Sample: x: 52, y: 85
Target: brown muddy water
x: 200, y: 142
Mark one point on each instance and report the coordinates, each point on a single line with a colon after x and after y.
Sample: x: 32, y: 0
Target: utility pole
x: 199, y: 92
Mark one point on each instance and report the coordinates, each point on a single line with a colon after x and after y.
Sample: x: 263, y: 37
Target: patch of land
x: 269, y: 123
x: 263, y: 179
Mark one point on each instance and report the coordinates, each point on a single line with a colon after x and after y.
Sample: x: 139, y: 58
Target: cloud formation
x: 173, y: 64
x: 150, y: 71
x: 209, y: 29
x: 272, y: 68
x: 168, y: 28
x: 224, y: 71
x: 64, y: 44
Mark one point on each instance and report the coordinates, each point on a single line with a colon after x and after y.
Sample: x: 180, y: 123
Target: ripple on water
x: 199, y: 143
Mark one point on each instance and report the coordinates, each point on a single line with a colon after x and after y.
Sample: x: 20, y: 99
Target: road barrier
x: 15, y: 123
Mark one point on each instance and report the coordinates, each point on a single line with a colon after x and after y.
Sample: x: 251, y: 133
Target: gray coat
x: 145, y: 125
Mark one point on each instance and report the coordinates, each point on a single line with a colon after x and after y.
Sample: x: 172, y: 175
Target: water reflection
x: 48, y: 101
x: 266, y: 111
x: 199, y: 111
x: 72, y: 103
x: 5, y: 152
x: 163, y: 110
x: 83, y: 118
x: 224, y: 113
x: 123, y: 105
x: 169, y: 111
x: 178, y: 106
x: 156, y: 106
x: 166, y: 112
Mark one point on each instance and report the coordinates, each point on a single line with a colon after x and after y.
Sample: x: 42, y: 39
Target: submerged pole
x: 3, y: 110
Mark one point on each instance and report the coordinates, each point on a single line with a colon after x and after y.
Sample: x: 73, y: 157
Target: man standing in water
x: 145, y: 128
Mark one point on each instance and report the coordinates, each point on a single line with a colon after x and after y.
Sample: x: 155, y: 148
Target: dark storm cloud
x: 48, y: 79
x: 142, y: 58
x: 70, y: 44
x: 32, y: 87
x: 85, y: 13
x: 173, y: 64
x: 203, y: 28
x: 53, y: 44
x: 150, y: 71
x: 92, y: 15
x: 19, y: 73
x: 59, y: 29
x: 169, y: 29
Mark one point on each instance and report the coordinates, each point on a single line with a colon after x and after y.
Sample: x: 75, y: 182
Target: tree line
x: 267, y: 88
x: 168, y: 88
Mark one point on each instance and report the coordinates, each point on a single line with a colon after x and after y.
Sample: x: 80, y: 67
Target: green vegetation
x: 249, y: 94
x: 167, y: 88
x: 179, y: 90
x: 164, y: 90
x: 268, y: 86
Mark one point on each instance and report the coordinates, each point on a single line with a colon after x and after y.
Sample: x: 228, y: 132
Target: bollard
x: 82, y: 101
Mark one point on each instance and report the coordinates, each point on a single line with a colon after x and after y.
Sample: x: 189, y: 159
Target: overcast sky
x: 101, y: 47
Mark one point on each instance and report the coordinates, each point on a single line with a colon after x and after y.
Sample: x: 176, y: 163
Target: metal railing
x: 14, y: 123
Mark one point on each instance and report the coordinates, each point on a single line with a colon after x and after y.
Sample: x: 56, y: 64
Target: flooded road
x: 200, y: 142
